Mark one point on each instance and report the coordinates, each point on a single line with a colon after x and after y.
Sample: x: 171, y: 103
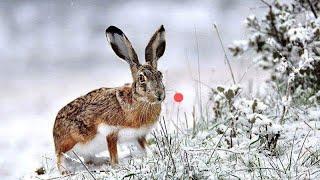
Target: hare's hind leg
x: 61, y: 164
x: 142, y: 143
x: 112, y: 140
x: 62, y: 148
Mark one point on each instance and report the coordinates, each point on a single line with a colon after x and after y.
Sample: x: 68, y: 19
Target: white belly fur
x: 99, y: 143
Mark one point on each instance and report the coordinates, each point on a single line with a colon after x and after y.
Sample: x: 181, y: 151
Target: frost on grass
x: 286, y: 41
x: 243, y: 139
x: 272, y: 136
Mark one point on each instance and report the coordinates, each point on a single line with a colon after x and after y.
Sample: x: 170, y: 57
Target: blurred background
x: 51, y: 52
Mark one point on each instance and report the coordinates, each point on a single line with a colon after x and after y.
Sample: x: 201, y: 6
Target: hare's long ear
x: 156, y: 47
x: 123, y: 48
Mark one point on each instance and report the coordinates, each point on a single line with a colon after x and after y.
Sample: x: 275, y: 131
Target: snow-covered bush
x: 287, y: 41
x: 243, y: 140
x: 243, y: 118
x: 268, y: 137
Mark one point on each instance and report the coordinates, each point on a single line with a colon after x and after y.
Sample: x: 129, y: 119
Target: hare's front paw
x: 96, y: 161
x: 66, y: 172
x: 114, y: 165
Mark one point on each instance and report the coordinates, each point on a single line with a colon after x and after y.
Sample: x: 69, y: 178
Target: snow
x: 208, y: 154
x: 299, y: 33
x: 247, y: 136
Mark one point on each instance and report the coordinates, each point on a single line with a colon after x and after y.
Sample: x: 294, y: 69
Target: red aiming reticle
x: 178, y: 97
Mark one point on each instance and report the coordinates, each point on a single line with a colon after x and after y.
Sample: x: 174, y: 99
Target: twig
x: 302, y: 147
x: 308, y: 125
x: 277, y: 169
x: 186, y: 120
x: 158, y: 146
x: 193, y: 122
x: 176, y: 126
x: 129, y: 175
x: 304, y: 172
x: 84, y: 165
x: 169, y: 142
x: 281, y: 163
x: 58, y: 177
x: 259, y: 168
x: 209, y: 149
x: 291, y: 153
x: 245, y: 73
x: 68, y: 175
x: 264, y: 2
x: 214, y: 150
x: 285, y: 107
x: 199, y: 75
x: 258, y: 7
x: 225, y: 54
x: 312, y: 9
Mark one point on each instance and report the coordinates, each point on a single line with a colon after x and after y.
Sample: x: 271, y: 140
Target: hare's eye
x: 160, y: 75
x: 142, y: 78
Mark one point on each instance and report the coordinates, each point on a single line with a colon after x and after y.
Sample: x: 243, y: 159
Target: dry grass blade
x: 214, y: 150
x: 312, y: 9
x: 302, y: 147
x: 199, y: 73
x: 225, y: 54
x: 291, y: 152
x: 84, y: 165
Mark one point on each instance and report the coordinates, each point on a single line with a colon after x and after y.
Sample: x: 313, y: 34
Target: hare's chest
x: 129, y: 134
x: 124, y: 134
x: 98, y: 143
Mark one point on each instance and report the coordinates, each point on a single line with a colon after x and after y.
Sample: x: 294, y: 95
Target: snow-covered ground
x: 204, y: 152
x: 51, y: 53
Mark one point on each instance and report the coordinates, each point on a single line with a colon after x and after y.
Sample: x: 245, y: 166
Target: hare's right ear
x: 156, y: 47
x: 122, y: 47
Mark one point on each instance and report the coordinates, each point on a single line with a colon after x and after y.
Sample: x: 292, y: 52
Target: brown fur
x: 82, y: 116
x: 112, y: 147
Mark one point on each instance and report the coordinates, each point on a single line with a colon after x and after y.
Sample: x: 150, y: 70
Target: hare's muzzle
x: 160, y: 96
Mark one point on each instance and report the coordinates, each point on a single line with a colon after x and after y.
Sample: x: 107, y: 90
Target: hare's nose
x: 160, y: 96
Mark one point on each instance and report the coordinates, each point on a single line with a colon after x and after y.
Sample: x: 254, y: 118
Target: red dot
x: 178, y: 97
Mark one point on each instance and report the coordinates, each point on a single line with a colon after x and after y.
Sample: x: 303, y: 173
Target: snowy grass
x: 271, y: 136
x: 183, y: 156
x: 219, y: 146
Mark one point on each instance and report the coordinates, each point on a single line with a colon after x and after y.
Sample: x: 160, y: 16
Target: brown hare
x: 106, y: 116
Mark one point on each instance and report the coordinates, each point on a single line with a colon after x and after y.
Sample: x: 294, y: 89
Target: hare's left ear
x: 156, y: 47
x: 123, y: 48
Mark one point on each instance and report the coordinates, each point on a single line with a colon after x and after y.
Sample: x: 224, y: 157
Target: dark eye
x: 142, y: 78
x: 159, y: 74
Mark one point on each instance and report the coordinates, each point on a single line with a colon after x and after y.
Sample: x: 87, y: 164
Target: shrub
x: 286, y: 41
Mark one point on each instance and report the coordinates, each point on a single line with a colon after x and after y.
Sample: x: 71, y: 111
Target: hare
x: 106, y: 116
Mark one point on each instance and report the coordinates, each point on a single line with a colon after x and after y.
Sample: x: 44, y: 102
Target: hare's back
x: 81, y: 115
x: 83, y: 103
